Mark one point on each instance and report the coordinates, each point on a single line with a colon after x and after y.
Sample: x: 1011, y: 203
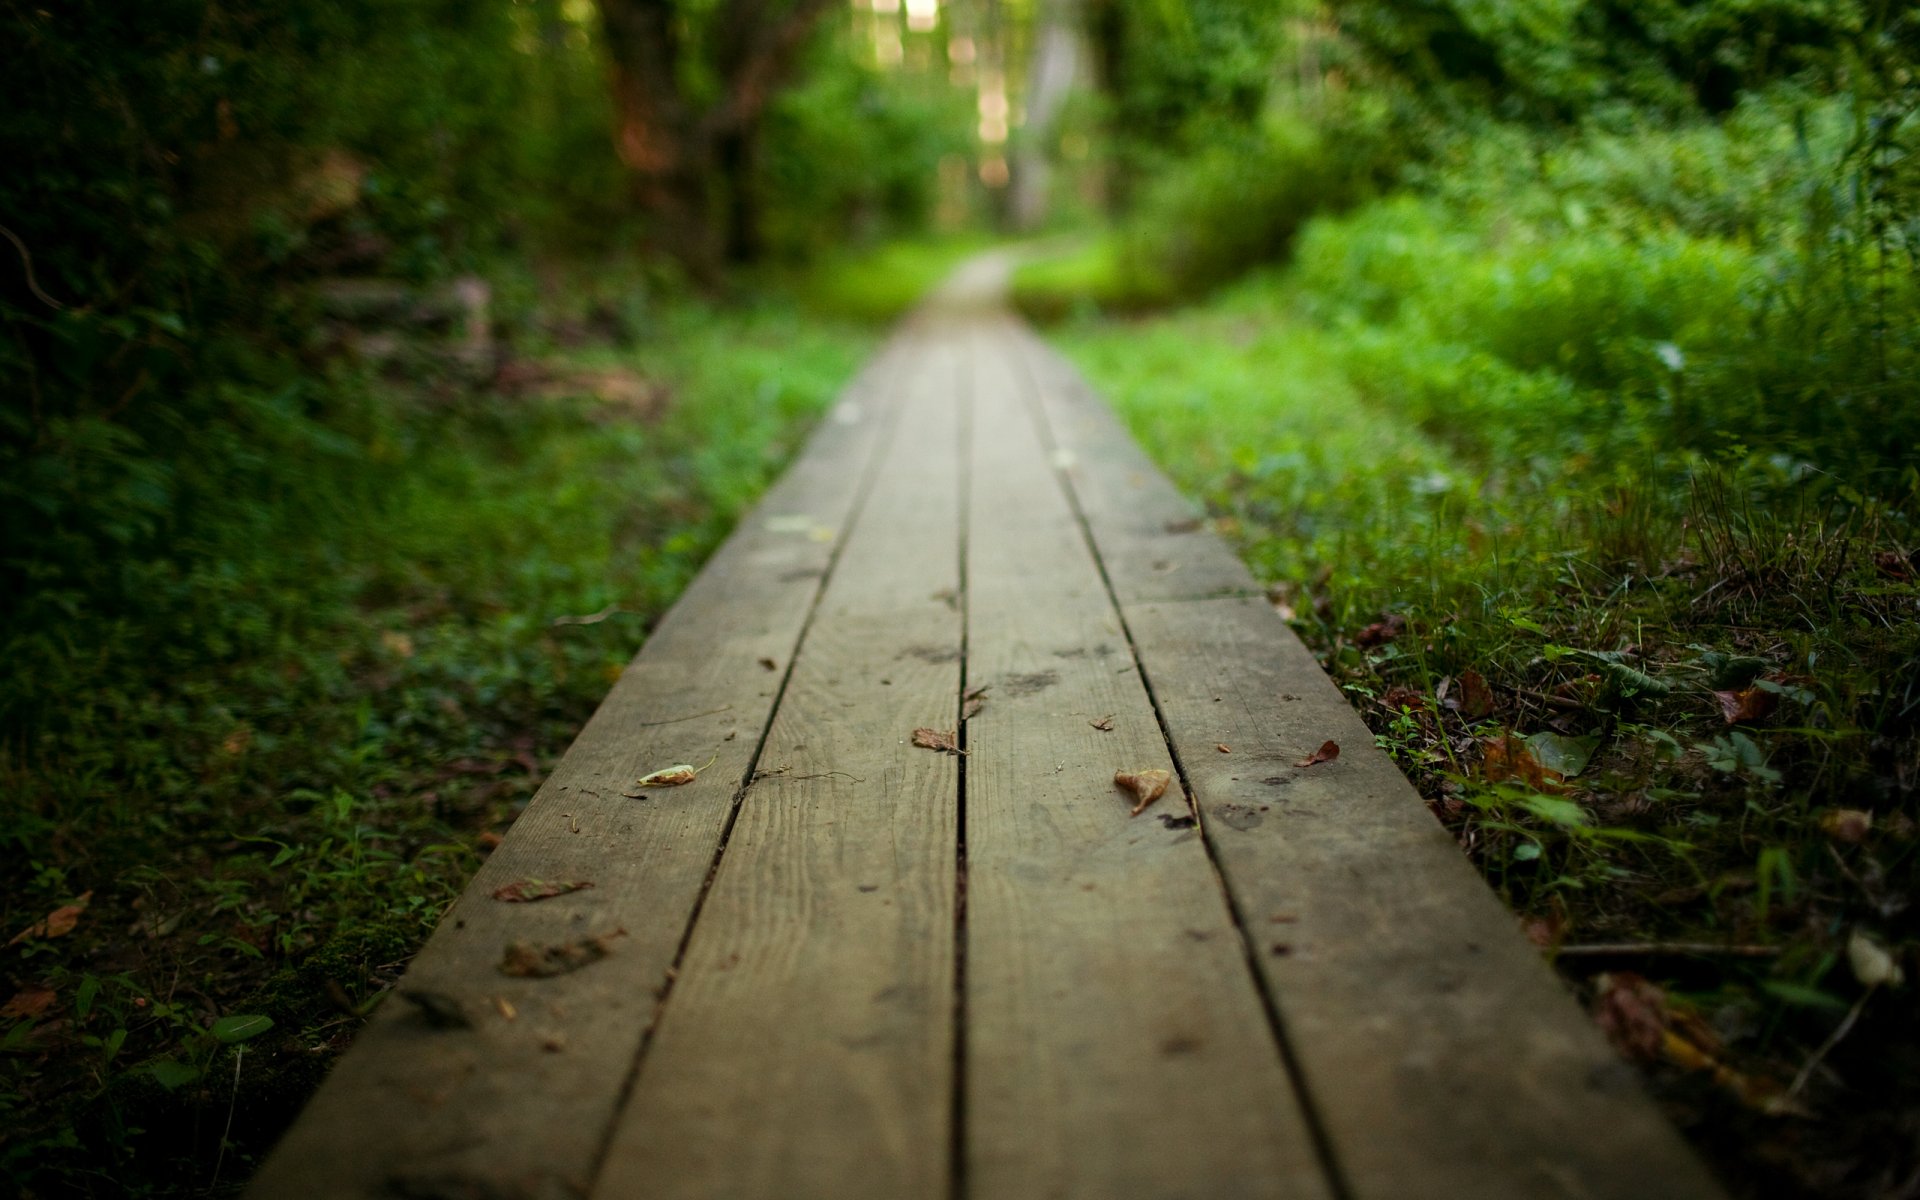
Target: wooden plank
x: 519, y: 1103
x: 807, y: 1046
x: 1442, y: 1055
x: 1153, y: 538
x: 1116, y: 1045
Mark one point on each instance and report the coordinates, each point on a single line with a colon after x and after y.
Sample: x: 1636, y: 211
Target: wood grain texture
x: 1153, y: 539
x: 520, y: 1107
x: 1442, y: 1054
x: 1116, y: 1044
x: 806, y: 1050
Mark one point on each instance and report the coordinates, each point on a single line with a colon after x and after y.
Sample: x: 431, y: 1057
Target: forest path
x: 840, y: 964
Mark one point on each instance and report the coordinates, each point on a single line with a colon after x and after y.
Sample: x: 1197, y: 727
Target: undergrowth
x: 253, y: 768
x: 1606, y: 521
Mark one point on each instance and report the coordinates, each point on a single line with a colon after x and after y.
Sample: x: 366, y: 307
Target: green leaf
x: 1526, y: 852
x: 1803, y: 996
x: 1555, y: 810
x: 1566, y: 755
x: 239, y: 1029
x: 172, y: 1075
x: 83, y: 996
x: 115, y: 1040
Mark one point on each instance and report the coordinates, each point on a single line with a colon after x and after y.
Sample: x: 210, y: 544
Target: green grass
x: 272, y: 782
x: 1444, y: 450
x: 877, y: 286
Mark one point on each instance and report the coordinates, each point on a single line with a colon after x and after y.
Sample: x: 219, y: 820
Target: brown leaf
x: 489, y: 840
x: 1327, y: 752
x: 934, y: 739
x: 58, y: 923
x: 1510, y: 758
x: 972, y: 707
x: 528, y: 890
x: 1223, y: 748
x: 769, y: 664
x: 29, y: 1001
x: 1632, y: 1012
x: 1104, y: 724
x: 1753, y: 704
x: 1401, y: 697
x: 1146, y: 786
x: 1381, y: 632
x: 525, y: 960
x: 1476, y: 698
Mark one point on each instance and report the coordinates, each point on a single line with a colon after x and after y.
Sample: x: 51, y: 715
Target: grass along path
x: 1669, y: 712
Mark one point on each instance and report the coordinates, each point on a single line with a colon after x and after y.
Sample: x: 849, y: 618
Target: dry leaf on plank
x: 525, y: 960
x: 1327, y: 752
x: 934, y: 739
x: 1146, y: 786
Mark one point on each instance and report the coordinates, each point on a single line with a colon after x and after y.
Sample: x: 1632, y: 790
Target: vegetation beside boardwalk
x: 1579, y: 446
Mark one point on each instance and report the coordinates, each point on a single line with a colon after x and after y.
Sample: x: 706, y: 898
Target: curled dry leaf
x: 1146, y: 786
x: 525, y: 960
x: 1223, y: 748
x: 524, y: 891
x: 1104, y: 724
x: 58, y: 923
x: 674, y: 776
x: 1327, y: 752
x: 28, y: 1002
x: 934, y: 739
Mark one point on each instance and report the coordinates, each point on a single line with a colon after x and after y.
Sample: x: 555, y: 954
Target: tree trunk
x: 694, y: 167
x: 1050, y: 75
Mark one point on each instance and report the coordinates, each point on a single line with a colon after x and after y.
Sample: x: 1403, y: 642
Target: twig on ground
x: 1658, y: 949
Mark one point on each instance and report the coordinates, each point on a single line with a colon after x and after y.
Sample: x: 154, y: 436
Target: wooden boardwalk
x: 840, y: 965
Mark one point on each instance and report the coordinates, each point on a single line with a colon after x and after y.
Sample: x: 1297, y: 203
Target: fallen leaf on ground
x: 1564, y: 756
x: 1753, y: 704
x: 769, y: 664
x: 1510, y: 759
x: 1476, y: 698
x: 1327, y: 752
x: 1104, y: 724
x: 525, y: 960
x: 1849, y: 825
x: 1146, y: 786
x: 1632, y: 1012
x: 972, y: 707
x: 934, y: 739
x: 528, y: 890
x: 1223, y: 748
x: 674, y: 776
x: 58, y: 923
x: 29, y: 1001
x: 1381, y: 632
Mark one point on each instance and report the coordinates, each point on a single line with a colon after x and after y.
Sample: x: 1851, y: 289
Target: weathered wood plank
x: 519, y: 1104
x: 807, y: 1046
x: 1116, y: 1043
x: 1442, y: 1055
x: 1152, y: 538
